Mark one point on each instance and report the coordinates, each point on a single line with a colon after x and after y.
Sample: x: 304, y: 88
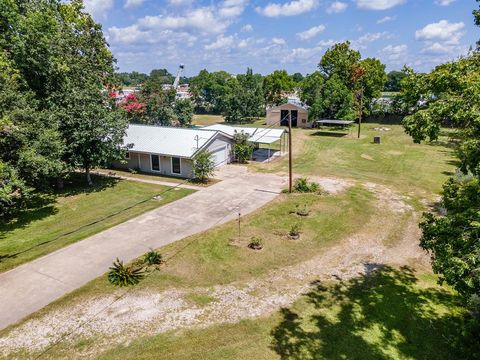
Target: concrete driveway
x: 31, y: 286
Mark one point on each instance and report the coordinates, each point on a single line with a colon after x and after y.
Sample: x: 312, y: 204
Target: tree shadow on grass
x: 381, y: 315
x: 42, y: 204
x: 76, y: 184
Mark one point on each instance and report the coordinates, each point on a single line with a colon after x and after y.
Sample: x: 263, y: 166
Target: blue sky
x: 267, y: 35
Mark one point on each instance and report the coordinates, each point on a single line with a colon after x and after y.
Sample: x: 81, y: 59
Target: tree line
x: 331, y: 92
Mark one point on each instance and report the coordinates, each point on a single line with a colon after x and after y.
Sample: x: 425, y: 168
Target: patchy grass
x: 205, y: 120
x: 154, y: 177
x: 141, y: 175
x: 199, y: 299
x: 391, y: 314
x: 416, y: 169
x: 59, y: 219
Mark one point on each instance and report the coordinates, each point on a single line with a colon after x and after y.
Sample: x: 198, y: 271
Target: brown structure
x: 278, y: 115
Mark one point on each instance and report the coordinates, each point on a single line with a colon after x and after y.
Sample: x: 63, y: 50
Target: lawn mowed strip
x: 416, y: 169
x: 65, y: 217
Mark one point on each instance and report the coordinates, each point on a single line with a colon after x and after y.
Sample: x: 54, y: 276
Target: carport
x: 264, y: 140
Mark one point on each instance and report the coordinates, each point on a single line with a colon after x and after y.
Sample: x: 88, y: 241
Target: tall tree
x: 245, y: 101
x: 209, y: 91
x: 332, y: 91
x: 339, y: 60
x: 394, y: 79
x: 451, y: 93
x: 276, y: 86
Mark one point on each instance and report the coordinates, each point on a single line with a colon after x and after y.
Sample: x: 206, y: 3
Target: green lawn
x: 415, y: 169
x: 393, y: 314
x: 204, y: 120
x: 46, y: 227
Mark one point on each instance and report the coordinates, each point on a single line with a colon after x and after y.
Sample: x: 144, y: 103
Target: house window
x: 127, y: 155
x: 155, y: 162
x: 176, y: 165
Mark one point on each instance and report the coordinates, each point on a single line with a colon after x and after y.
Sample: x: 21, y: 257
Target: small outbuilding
x: 278, y: 115
x: 170, y: 151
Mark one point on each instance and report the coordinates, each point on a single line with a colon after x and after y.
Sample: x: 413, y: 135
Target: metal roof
x: 257, y: 134
x: 171, y: 141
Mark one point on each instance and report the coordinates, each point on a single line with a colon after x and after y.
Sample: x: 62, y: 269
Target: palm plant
x: 122, y: 275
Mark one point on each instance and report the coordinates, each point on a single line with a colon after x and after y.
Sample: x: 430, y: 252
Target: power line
x: 128, y: 290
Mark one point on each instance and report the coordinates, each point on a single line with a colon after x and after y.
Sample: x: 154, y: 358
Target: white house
x: 170, y: 151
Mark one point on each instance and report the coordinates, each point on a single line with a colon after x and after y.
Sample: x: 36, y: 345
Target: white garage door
x: 220, y: 156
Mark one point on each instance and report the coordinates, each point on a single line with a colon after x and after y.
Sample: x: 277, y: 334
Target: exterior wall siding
x: 142, y: 162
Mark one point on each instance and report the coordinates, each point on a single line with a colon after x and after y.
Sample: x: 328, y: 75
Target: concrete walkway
x: 31, y: 286
x: 183, y: 185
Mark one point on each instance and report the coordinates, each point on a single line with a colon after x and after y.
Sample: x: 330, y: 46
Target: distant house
x: 278, y: 115
x: 170, y: 151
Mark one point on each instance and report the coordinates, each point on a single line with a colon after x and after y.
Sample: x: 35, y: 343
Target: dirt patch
x: 116, y: 319
x: 389, y: 199
x: 367, y: 157
x: 332, y: 185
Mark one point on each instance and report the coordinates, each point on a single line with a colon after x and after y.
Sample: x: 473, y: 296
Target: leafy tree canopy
x: 276, y: 86
x: 332, y: 91
x: 451, y: 94
x: 244, y: 100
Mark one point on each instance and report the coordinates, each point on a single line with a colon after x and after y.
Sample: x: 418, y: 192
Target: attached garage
x: 220, y: 155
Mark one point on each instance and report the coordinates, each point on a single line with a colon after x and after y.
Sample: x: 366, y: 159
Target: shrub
x: 256, y: 243
x: 242, y: 148
x: 304, y: 211
x: 152, y: 258
x: 295, y: 230
x: 203, y: 166
x: 302, y: 185
x: 122, y: 275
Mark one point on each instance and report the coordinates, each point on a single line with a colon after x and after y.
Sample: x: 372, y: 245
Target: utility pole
x: 360, y: 111
x: 290, y: 151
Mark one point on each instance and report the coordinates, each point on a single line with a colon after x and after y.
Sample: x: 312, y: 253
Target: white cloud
x: 310, y: 33
x: 291, y: 8
x: 180, y: 2
x: 134, y: 35
x: 395, y: 53
x: 378, y: 4
x: 132, y: 3
x: 328, y: 43
x: 443, y: 30
x: 98, y: 8
x: 303, y: 54
x: 362, y: 42
x: 278, y: 41
x: 337, y: 7
x: 203, y: 19
x: 221, y: 42
x: 247, y: 28
x: 444, y: 2
x: 385, y: 19
x: 232, y: 8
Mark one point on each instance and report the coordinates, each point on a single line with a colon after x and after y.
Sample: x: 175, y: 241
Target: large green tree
x: 276, y: 86
x: 244, y: 101
x: 55, y: 67
x: 394, y: 80
x: 210, y: 90
x: 450, y: 94
x: 332, y: 91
